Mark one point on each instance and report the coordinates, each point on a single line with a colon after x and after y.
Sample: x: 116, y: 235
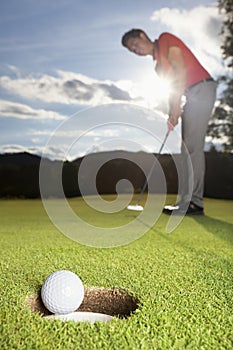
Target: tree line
x: 19, y: 175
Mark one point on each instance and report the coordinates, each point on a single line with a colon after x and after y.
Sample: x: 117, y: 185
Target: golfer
x: 188, y: 78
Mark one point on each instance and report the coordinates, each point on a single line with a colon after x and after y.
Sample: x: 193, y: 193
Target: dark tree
x: 221, y: 125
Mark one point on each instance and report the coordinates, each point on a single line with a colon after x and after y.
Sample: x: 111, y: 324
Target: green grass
x: 183, y: 280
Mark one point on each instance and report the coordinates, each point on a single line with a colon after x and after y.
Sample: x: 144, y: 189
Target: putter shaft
x: 151, y: 170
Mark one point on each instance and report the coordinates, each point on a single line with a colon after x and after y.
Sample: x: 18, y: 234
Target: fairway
x: 182, y: 280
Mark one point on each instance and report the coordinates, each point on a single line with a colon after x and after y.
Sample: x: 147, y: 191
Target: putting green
x: 183, y: 280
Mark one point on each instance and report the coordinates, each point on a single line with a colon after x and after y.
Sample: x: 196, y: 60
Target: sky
x: 62, y: 63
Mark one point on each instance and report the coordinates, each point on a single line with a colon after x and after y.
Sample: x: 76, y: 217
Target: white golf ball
x: 62, y: 292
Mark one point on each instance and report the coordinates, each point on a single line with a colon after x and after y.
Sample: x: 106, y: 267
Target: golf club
x: 138, y: 207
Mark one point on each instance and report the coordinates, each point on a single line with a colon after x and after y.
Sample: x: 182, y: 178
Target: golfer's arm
x: 177, y: 63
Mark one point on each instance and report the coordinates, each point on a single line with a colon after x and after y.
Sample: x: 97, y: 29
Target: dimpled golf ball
x: 62, y: 292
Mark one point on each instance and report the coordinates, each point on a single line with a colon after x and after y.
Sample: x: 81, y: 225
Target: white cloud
x: 66, y: 88
x: 77, y: 89
x: 52, y: 153
x: 22, y: 111
x: 68, y: 134
x: 199, y: 27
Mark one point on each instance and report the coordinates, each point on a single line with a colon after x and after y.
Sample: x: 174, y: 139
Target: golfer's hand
x: 175, y: 112
x: 172, y: 122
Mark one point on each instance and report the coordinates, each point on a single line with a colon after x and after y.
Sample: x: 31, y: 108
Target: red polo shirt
x: 195, y: 71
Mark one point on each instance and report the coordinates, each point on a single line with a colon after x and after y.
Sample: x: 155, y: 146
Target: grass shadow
x: 221, y: 229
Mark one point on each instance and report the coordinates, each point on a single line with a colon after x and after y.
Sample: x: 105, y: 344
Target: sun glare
x: 152, y: 90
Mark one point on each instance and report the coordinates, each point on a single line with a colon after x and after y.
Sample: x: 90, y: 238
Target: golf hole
x: 108, y: 302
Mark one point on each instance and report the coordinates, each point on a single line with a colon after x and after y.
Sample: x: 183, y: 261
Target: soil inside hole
x: 106, y: 301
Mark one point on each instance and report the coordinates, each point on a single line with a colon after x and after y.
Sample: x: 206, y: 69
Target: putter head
x: 135, y: 207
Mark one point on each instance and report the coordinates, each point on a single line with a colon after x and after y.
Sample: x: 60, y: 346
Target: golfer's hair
x: 133, y: 33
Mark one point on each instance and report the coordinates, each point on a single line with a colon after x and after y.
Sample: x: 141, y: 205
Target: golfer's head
x: 137, y: 41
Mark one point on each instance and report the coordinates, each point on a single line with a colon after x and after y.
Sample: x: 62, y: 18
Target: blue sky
x: 61, y: 58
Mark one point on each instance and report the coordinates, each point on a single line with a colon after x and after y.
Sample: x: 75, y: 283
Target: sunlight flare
x: 152, y: 90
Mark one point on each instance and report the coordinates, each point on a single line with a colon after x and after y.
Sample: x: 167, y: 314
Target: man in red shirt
x: 188, y: 77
